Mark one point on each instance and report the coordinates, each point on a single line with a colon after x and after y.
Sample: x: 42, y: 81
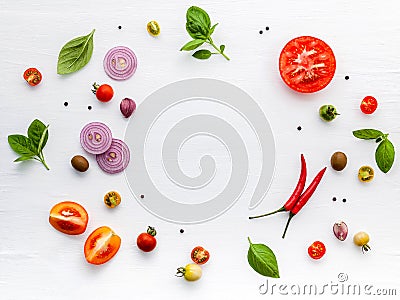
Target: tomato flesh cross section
x: 307, y: 64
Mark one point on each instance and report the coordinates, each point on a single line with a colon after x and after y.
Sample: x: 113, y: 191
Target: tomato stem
x: 180, y: 272
x: 152, y: 231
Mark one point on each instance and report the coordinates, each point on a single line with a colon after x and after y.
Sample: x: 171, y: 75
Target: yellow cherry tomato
x: 112, y: 199
x: 361, y: 239
x: 153, y: 28
x: 365, y: 174
x: 191, y: 272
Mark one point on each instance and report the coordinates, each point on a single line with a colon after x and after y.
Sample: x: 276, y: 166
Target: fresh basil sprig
x: 31, y: 147
x: 198, y: 25
x: 75, y: 54
x: 385, y: 152
x: 262, y: 259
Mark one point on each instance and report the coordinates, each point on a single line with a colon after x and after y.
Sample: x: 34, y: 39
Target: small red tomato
x: 32, y: 76
x: 146, y: 241
x: 101, y: 245
x: 316, y: 250
x: 69, y: 217
x: 368, y: 105
x: 200, y: 255
x: 104, y: 92
x: 307, y: 64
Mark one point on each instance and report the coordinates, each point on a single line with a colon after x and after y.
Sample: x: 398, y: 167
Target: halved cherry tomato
x: 307, y: 64
x: 200, y: 255
x: 368, y: 105
x: 32, y: 76
x: 69, y: 217
x: 316, y: 250
x: 101, y: 245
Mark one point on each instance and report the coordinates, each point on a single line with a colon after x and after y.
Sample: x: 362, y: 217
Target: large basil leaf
x: 198, y: 23
x: 262, y: 259
x: 22, y: 145
x: 35, y: 132
x: 75, y: 54
x: 192, y: 45
x: 202, y: 54
x: 367, y: 134
x: 384, y: 155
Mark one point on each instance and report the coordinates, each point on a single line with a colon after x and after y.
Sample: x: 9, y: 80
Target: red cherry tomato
x: 316, y: 250
x: 368, y: 105
x: 104, y: 92
x: 32, y: 76
x: 200, y: 255
x: 146, y: 240
x: 307, y: 64
x: 69, y: 217
x: 101, y: 245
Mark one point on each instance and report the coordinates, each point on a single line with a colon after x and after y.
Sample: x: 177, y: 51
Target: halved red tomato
x: 307, y: 64
x: 368, y: 105
x: 69, y: 217
x: 32, y: 76
x: 200, y: 255
x: 101, y: 245
x: 316, y: 250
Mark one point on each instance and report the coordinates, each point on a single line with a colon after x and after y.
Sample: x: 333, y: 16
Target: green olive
x: 338, y: 161
x: 328, y: 112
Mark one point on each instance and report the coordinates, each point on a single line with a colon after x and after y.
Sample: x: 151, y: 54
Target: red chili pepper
x: 304, y: 198
x: 296, y: 193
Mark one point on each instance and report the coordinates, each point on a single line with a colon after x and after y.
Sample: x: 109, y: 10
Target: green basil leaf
x: 367, y: 134
x: 222, y: 48
x: 23, y: 158
x: 22, y: 145
x: 262, y: 259
x: 198, y: 23
x: 43, y: 139
x: 75, y: 54
x: 212, y: 29
x: 35, y: 132
x: 202, y: 54
x: 384, y: 155
x: 192, y: 45
x: 196, y: 31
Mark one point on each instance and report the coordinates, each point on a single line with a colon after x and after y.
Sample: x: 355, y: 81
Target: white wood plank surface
x: 37, y: 262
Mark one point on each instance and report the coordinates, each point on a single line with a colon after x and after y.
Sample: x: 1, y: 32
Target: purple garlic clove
x: 127, y: 107
x: 340, y: 230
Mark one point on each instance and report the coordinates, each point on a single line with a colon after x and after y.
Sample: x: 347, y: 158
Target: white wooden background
x: 37, y: 262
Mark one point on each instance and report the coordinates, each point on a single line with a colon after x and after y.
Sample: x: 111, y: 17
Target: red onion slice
x: 96, y: 138
x: 120, y: 63
x: 115, y: 159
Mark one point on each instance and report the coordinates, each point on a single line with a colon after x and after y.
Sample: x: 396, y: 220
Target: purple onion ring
x: 96, y: 138
x: 115, y: 159
x: 120, y: 63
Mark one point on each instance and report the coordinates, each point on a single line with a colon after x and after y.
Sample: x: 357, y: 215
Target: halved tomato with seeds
x: 101, y: 245
x: 307, y: 64
x: 32, y: 76
x: 69, y: 217
x: 200, y: 255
